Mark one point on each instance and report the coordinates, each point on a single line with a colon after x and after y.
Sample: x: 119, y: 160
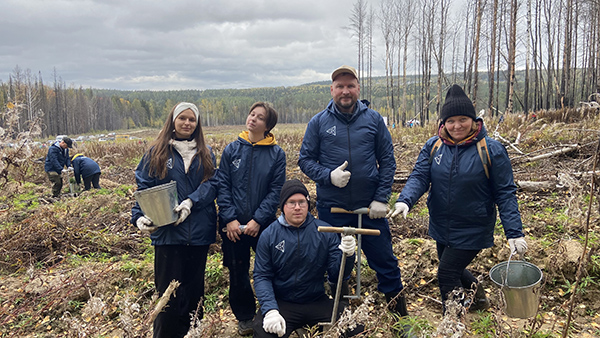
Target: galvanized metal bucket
x: 158, y: 202
x: 518, y: 281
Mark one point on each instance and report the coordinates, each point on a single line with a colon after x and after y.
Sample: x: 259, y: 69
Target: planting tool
x: 360, y: 212
x: 338, y: 289
x: 242, y: 228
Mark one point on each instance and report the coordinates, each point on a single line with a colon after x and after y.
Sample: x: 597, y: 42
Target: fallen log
x: 533, y: 186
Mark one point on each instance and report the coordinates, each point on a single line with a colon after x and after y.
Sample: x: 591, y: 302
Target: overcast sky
x: 177, y: 44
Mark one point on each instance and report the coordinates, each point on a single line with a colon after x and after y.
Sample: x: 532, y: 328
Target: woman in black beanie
x: 465, y: 187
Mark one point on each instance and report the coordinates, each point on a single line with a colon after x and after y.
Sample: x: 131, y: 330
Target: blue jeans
x: 452, y: 272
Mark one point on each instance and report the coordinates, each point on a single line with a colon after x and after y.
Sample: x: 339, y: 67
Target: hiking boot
x: 480, y: 300
x: 245, y: 327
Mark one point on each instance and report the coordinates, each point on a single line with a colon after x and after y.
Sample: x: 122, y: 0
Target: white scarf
x: 187, y: 150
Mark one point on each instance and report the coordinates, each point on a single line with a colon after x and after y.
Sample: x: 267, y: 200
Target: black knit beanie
x: 457, y: 103
x: 290, y: 188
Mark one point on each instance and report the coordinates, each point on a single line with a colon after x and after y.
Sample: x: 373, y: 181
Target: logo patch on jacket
x: 170, y: 163
x: 331, y: 131
x: 438, y: 159
x: 281, y: 246
x: 236, y: 163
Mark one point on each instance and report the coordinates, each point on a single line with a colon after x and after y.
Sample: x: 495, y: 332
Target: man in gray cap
x: 347, y: 150
x: 56, y: 159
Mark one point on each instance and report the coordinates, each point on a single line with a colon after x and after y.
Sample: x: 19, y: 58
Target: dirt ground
x: 76, y: 268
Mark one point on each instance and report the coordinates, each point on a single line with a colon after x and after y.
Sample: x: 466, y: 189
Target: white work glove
x: 339, y: 176
x: 348, y: 245
x: 377, y: 210
x: 399, y: 207
x: 145, y: 225
x: 274, y: 323
x: 64, y: 171
x: 71, y: 169
x: 517, y: 245
x: 184, y: 209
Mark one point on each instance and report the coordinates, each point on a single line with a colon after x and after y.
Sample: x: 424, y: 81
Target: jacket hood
x: 282, y: 221
x: 269, y: 140
x: 360, y: 107
x: 480, y: 133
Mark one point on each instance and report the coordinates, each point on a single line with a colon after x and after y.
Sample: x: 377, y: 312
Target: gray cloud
x: 177, y: 44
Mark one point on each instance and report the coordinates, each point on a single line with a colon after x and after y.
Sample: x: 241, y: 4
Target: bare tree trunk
x: 441, y: 51
x: 566, y: 61
x: 528, y: 42
x: 511, y: 54
x: 491, y: 71
x: 357, y: 26
x: 479, y: 11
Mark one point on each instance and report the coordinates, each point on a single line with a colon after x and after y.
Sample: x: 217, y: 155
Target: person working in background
x: 88, y: 169
x: 180, y: 154
x: 56, y: 160
x: 292, y: 257
x: 462, y: 198
x: 251, y: 174
x: 347, y: 150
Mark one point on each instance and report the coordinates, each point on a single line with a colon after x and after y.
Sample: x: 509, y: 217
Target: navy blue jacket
x: 364, y: 141
x: 291, y: 262
x: 84, y: 167
x: 57, y: 158
x: 462, y: 200
x: 250, y: 180
x: 199, y: 228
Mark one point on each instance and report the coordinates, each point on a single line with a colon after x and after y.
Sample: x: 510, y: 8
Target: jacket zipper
x: 349, y: 158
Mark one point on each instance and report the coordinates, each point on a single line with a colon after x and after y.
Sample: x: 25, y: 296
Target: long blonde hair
x: 161, y: 149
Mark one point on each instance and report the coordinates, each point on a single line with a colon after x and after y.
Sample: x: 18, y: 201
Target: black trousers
x: 185, y: 264
x: 297, y: 316
x: 92, y: 180
x: 236, y: 257
x: 452, y: 272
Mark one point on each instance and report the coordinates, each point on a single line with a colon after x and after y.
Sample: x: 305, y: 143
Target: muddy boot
x: 480, y: 301
x: 396, y: 304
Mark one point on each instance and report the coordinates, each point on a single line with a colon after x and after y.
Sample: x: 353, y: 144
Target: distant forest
x: 72, y: 111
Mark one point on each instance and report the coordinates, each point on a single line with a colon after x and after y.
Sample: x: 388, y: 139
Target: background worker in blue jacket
x: 56, y: 160
x: 251, y: 174
x: 347, y: 150
x: 462, y: 199
x: 88, y: 169
x: 291, y: 260
x: 180, y: 154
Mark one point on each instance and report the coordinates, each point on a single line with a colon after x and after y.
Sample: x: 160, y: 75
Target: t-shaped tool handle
x: 360, y: 211
x: 349, y: 231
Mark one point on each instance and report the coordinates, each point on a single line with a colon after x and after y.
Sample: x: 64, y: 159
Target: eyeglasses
x: 292, y: 204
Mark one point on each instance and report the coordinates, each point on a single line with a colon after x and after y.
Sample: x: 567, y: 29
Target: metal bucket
x: 158, y: 202
x: 518, y: 281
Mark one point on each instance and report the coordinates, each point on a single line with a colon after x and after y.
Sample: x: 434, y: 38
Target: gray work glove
x: 339, y: 176
x: 348, y: 245
x: 145, y: 225
x: 399, y: 207
x: 184, y: 209
x: 377, y: 210
x: 517, y: 245
x: 274, y: 323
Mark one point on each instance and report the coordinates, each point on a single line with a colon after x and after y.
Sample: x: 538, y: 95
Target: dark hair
x: 161, y: 148
x: 271, y: 118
